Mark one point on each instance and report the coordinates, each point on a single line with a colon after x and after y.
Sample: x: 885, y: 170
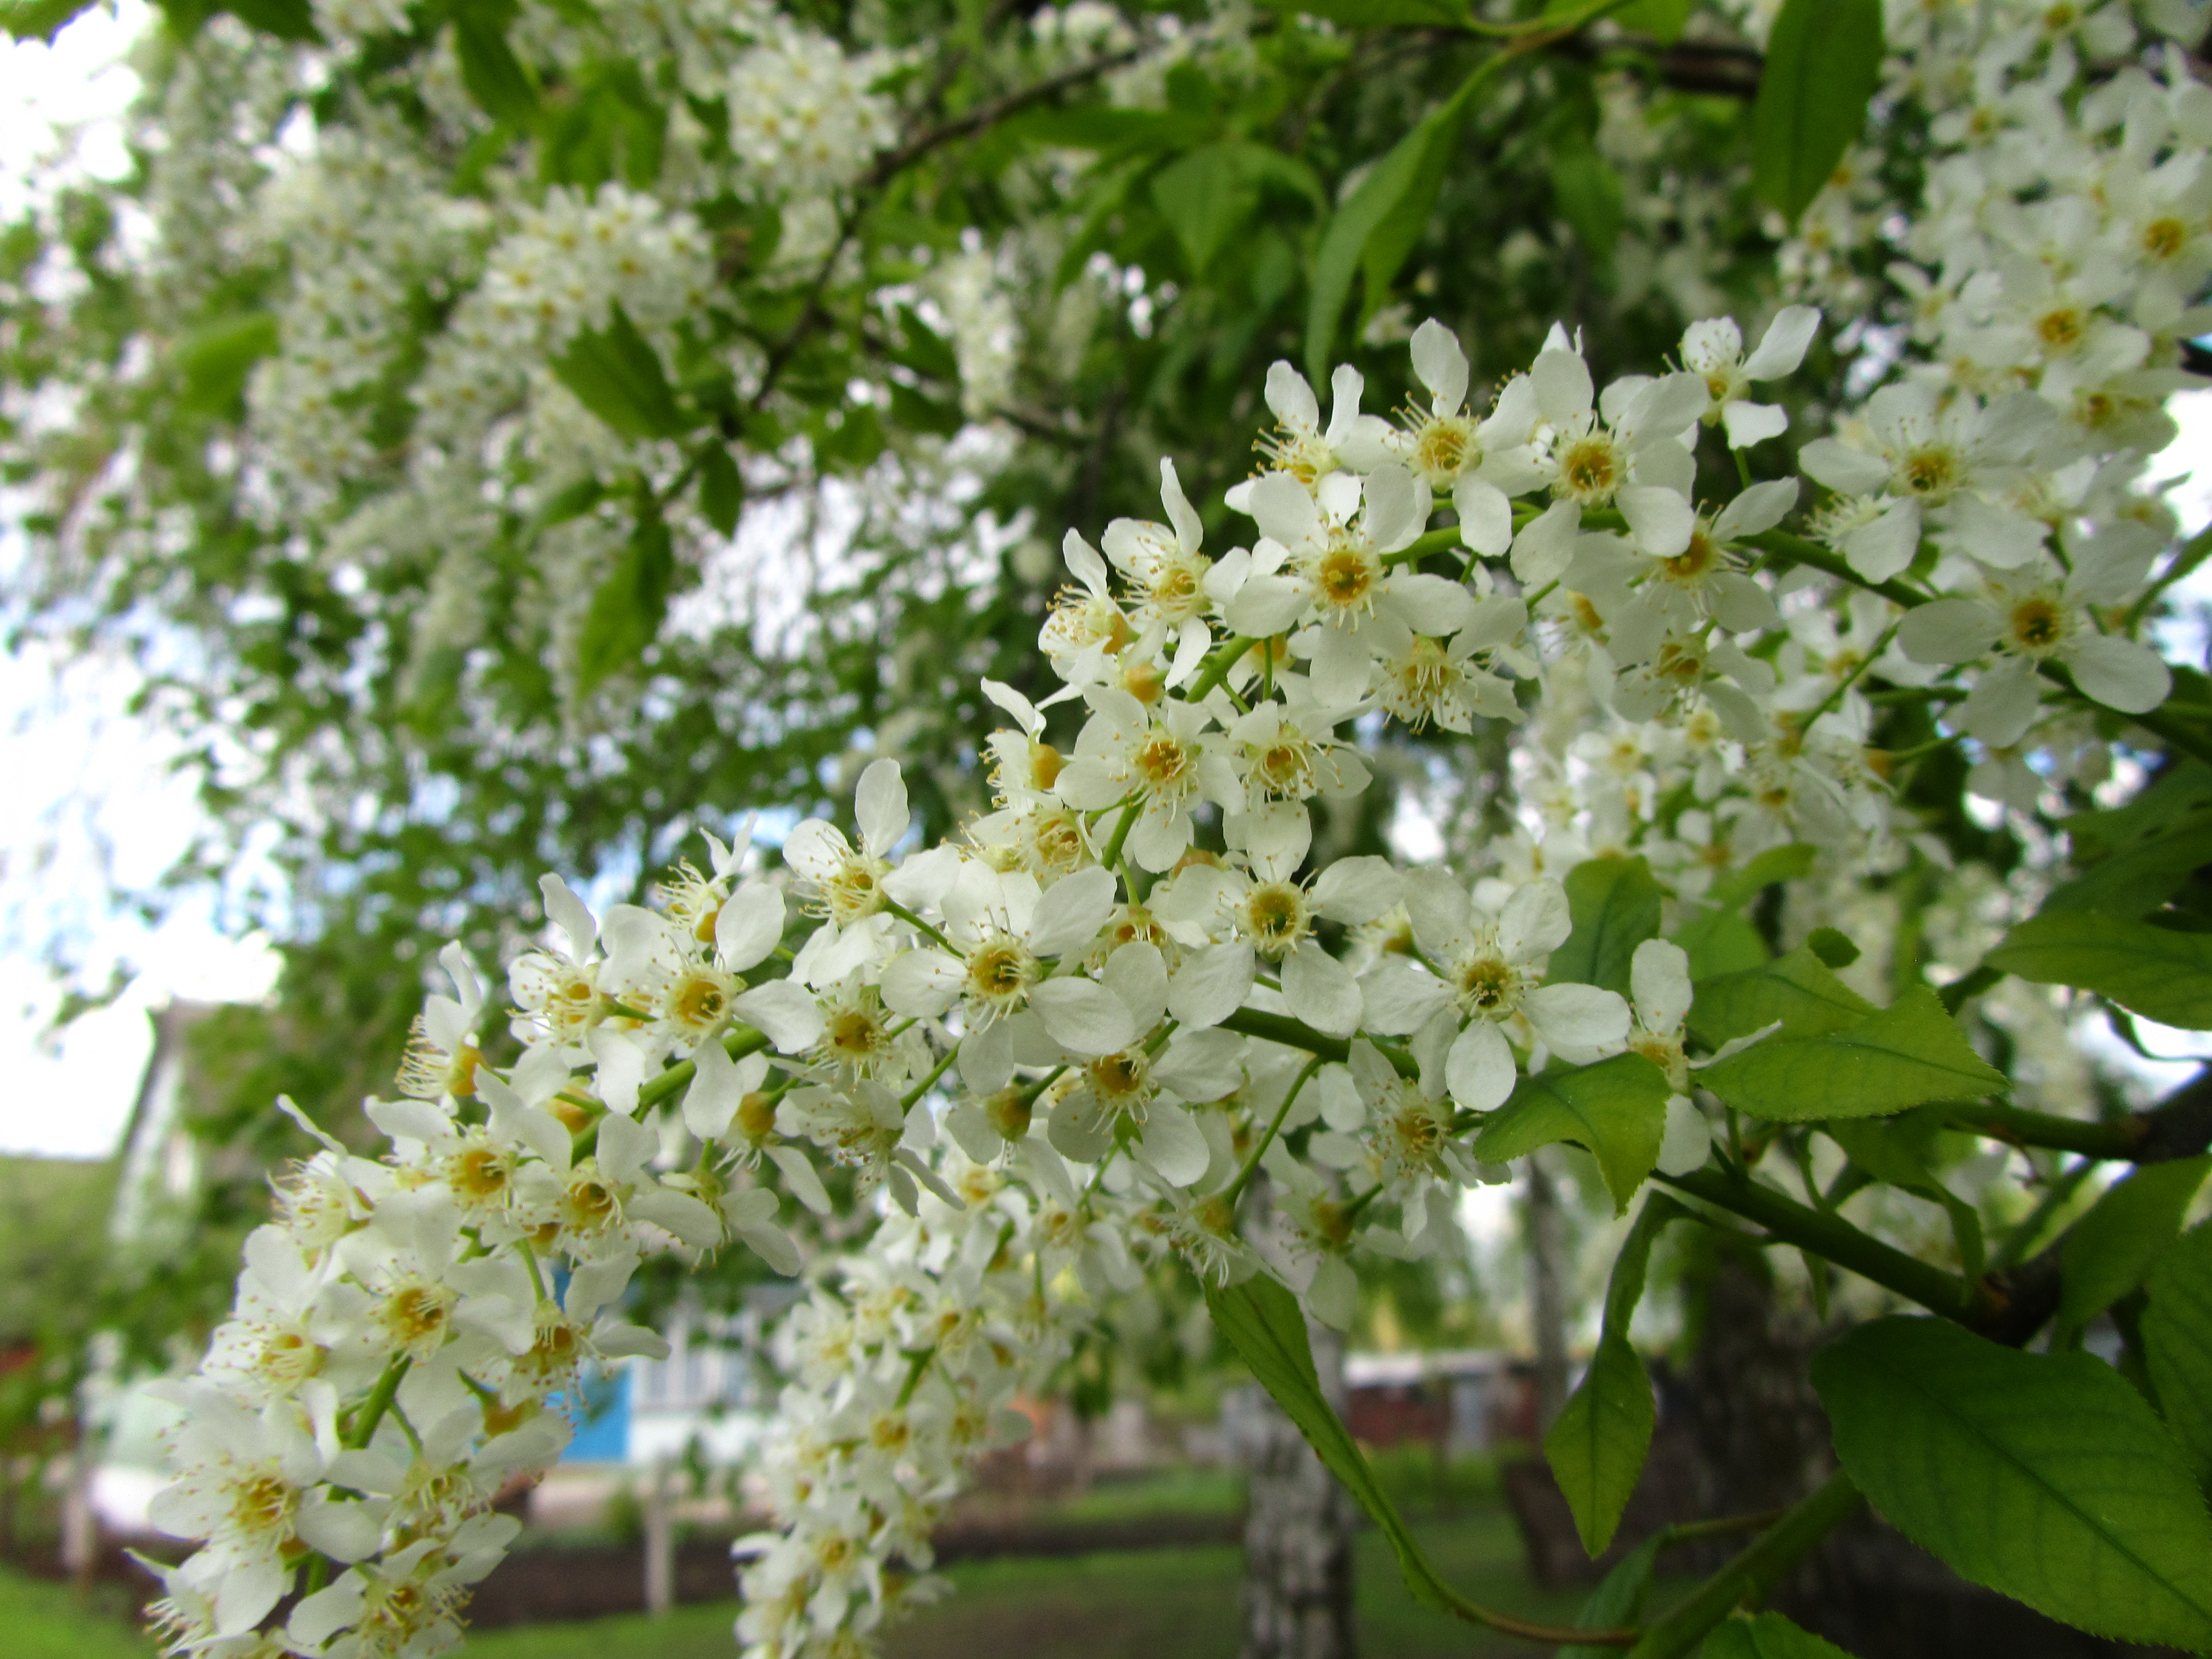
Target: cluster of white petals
x: 1059, y: 1050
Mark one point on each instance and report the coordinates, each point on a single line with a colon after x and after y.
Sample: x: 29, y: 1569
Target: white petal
x: 784, y: 1012
x: 1138, y: 973
x: 678, y: 1213
x: 2119, y: 673
x: 712, y: 1098
x: 1762, y: 506
x: 1659, y: 974
x: 772, y: 1245
x: 987, y: 1059
x: 1441, y: 364
x: 1081, y: 1129
x: 1084, y: 564
x: 799, y: 1177
x: 2004, y: 704
x: 1753, y: 423
x: 1561, y: 381
x: 1397, y: 507
x: 1084, y: 1016
x: 1291, y: 398
x: 1173, y: 1145
x: 1211, y: 984
x: 1879, y: 550
x: 1545, y: 544
x: 621, y: 1069
x: 751, y: 925
x: 1486, y: 517
x: 1333, y: 1297
x: 1072, y: 911
x: 1202, y: 1066
x: 625, y: 1147
x: 880, y: 805
x: 1534, y: 922
x: 1576, y: 1015
x: 1689, y: 1139
x: 566, y: 912
x: 1948, y: 630
x: 1188, y: 531
x: 1400, y: 998
x: 1322, y: 991
x: 1480, y: 1071
x: 1266, y: 605
x: 1659, y: 522
x: 344, y: 1532
x: 1782, y: 348
x: 1357, y: 889
x: 1740, y: 604
x: 922, y: 984
x: 1846, y: 471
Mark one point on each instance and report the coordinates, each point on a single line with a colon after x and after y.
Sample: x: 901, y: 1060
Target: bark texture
x: 1297, y: 1533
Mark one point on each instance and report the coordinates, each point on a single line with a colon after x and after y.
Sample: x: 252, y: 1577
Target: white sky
x: 86, y: 783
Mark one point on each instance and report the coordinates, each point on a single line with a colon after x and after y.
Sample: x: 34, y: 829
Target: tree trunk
x: 1547, y: 1237
x: 1297, y: 1533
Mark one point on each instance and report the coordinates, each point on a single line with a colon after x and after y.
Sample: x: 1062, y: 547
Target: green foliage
x: 2111, y: 1249
x: 1616, y: 1110
x: 1905, y: 1055
x: 1618, y: 1601
x: 1823, y: 64
x: 41, y: 20
x: 215, y: 361
x: 1797, y: 989
x: 1263, y: 1323
x: 1767, y: 1636
x: 626, y: 611
x: 2044, y: 1476
x: 1597, y: 1446
x: 617, y: 375
x: 2161, y: 973
x: 2177, y: 1336
x: 1614, y: 904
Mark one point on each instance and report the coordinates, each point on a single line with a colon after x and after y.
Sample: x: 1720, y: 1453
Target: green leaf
x: 1907, y: 1055
x: 2177, y: 1336
x: 1262, y: 1322
x: 41, y: 20
x: 1786, y: 863
x: 1597, y: 1446
x: 1378, y: 224
x: 1796, y: 989
x: 2114, y: 1248
x: 1887, y: 1152
x: 616, y: 374
x: 1662, y: 19
x: 286, y: 20
x: 1378, y: 14
x: 2044, y: 1476
x: 1823, y: 64
x: 1618, y: 1601
x: 626, y: 611
x: 1614, y: 904
x: 1616, y: 1110
x: 495, y: 76
x: 1834, y: 949
x: 216, y: 360
x: 1767, y: 1636
x: 1586, y: 193
x: 1206, y: 197
x: 1718, y: 942
x: 721, y: 490
x: 2157, y: 972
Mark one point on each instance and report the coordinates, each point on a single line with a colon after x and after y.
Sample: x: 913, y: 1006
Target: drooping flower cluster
x: 1060, y: 1050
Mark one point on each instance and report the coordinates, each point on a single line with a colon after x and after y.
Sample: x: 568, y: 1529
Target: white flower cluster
x: 804, y: 116
x: 1057, y: 1052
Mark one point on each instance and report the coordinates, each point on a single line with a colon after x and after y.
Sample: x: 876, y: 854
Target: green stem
x: 2117, y: 1140
x: 1111, y: 858
x: 1296, y: 1033
x: 737, y: 1044
x: 923, y: 1087
x: 1832, y: 1237
x: 1223, y: 658
x: 914, y: 920
x: 1798, y: 550
x: 378, y: 1401
x: 1858, y: 668
x: 916, y: 1364
x: 1235, y: 1188
x: 1753, y: 1575
x: 2193, y: 554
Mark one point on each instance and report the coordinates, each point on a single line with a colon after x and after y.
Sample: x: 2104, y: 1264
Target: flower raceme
x: 1019, y: 1073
